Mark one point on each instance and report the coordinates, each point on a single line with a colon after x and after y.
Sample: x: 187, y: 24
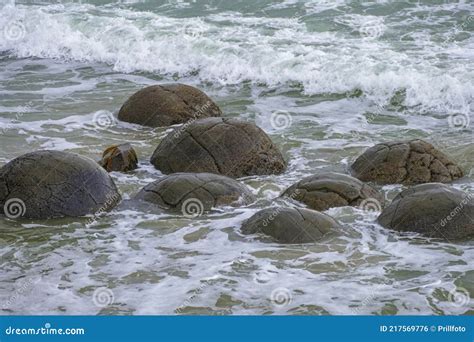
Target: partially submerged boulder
x: 331, y: 189
x: 434, y: 210
x: 166, y: 105
x: 121, y: 158
x: 229, y: 147
x: 48, y: 184
x: 196, y: 191
x: 409, y: 162
x: 290, y: 225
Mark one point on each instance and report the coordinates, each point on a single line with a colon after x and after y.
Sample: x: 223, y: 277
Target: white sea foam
x: 228, y: 48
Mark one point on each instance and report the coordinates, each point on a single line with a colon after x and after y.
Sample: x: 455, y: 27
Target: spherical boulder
x: 432, y: 209
x: 331, y: 189
x: 290, y: 225
x: 229, y: 147
x: 121, y: 158
x: 48, y: 184
x: 194, y: 193
x: 409, y: 162
x: 166, y: 105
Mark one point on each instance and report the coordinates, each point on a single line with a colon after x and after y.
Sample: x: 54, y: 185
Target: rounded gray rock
x: 166, y: 105
x: 434, y: 210
x: 48, y: 184
x: 229, y: 147
x: 290, y: 225
x: 410, y: 162
x: 197, y: 192
x: 331, y: 189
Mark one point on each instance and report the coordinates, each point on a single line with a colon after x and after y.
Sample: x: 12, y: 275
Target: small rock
x: 290, y: 225
x: 119, y: 158
x: 434, y: 210
x: 330, y: 189
x: 166, y: 105
x: 230, y: 147
x: 195, y: 191
x: 410, y: 162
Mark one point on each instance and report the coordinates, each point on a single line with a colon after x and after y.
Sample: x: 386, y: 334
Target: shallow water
x: 325, y: 79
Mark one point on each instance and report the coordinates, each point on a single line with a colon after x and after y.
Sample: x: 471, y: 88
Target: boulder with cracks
x: 229, y: 147
x: 194, y: 193
x: 166, y: 105
x: 410, y: 162
x: 290, y: 225
x: 434, y: 210
x: 48, y: 184
x: 330, y: 189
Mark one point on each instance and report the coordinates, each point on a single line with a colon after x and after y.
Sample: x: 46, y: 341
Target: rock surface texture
x: 47, y: 184
x: 229, y: 147
x: 434, y: 210
x: 411, y: 162
x: 166, y: 105
x: 197, y: 191
x: 330, y: 189
x: 290, y: 225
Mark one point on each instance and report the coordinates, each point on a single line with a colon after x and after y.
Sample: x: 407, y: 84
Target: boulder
x: 330, y: 189
x: 434, y: 210
x: 229, y: 147
x: 166, y: 105
x: 410, y: 162
x: 48, y: 184
x: 119, y: 158
x: 290, y: 225
x: 194, y: 193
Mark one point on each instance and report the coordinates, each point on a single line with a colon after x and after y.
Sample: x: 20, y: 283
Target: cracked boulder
x: 229, y: 147
x: 410, y: 162
x: 290, y: 225
x: 121, y: 158
x: 434, y: 210
x: 166, y: 105
x: 195, y: 191
x: 330, y: 189
x: 48, y: 184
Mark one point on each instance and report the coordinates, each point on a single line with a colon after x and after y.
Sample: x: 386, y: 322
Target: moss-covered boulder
x: 434, y: 210
x: 331, y: 189
x: 230, y: 147
x: 48, y: 184
x: 407, y: 162
x: 167, y: 104
x: 195, y: 191
x: 290, y: 225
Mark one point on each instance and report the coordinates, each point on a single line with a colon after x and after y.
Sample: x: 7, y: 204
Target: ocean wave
x: 229, y: 48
